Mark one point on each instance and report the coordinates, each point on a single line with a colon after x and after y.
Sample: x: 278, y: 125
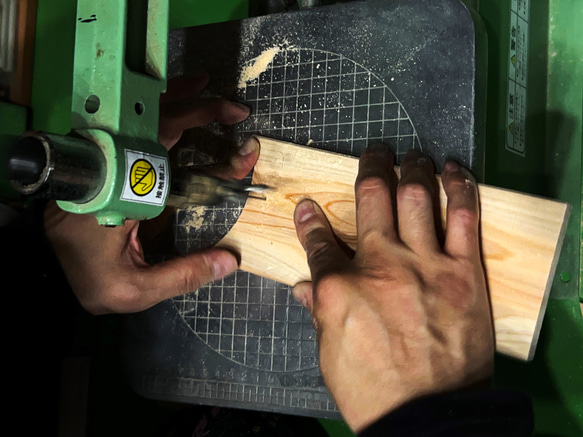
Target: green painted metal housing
x: 119, y: 73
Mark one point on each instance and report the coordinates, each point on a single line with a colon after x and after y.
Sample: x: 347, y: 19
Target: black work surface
x: 341, y: 77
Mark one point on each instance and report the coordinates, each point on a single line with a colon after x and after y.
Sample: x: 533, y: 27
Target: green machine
x: 545, y: 160
x: 111, y: 164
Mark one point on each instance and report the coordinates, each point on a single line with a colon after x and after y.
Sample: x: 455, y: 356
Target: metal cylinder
x: 56, y: 167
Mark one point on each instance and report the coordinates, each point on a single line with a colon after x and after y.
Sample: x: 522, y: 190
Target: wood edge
x: 301, y: 146
x: 397, y: 169
x: 522, y: 194
x: 550, y: 279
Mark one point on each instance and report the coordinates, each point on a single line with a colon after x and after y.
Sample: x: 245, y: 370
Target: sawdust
x: 257, y: 66
x: 194, y: 217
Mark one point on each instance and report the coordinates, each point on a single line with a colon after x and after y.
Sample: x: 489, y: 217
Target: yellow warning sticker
x: 146, y: 178
x: 142, y: 177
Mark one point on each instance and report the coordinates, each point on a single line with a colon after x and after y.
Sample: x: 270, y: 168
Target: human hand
x: 105, y: 266
x: 404, y: 316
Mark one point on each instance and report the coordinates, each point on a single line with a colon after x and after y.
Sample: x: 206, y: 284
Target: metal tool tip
x: 258, y: 188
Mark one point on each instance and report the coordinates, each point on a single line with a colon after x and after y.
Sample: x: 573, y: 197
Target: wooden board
x: 521, y: 234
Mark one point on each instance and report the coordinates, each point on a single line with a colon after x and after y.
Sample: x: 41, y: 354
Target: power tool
x: 111, y: 164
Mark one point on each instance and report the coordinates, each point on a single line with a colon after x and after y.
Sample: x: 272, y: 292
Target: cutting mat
x: 336, y: 78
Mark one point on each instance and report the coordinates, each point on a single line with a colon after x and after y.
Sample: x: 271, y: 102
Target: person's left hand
x: 406, y: 315
x: 105, y: 266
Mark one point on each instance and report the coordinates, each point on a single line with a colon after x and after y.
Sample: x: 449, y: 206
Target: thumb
x: 188, y: 273
x: 318, y: 240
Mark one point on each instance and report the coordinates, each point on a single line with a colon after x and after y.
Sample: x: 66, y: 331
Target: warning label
x: 142, y: 177
x: 517, y: 77
x: 145, y: 179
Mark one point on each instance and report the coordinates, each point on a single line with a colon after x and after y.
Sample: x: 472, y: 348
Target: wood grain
x: 521, y: 234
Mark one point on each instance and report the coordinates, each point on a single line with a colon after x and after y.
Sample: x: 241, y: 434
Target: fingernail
x: 304, y: 211
x: 224, y: 266
x: 242, y: 107
x: 249, y: 146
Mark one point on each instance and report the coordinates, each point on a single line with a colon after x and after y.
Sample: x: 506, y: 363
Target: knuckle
x: 189, y: 281
x: 317, y: 243
x: 466, y: 216
x: 414, y: 192
x: 373, y: 240
x: 370, y: 183
x: 317, y: 249
x: 459, y: 292
x: 376, y: 237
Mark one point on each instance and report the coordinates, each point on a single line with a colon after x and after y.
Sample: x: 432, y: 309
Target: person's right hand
x: 405, y: 316
x: 106, y: 267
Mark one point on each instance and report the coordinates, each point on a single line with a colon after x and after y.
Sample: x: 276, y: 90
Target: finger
x: 317, y: 239
x: 184, y: 114
x: 303, y: 292
x: 374, y: 190
x: 415, y: 197
x: 241, y: 161
x: 182, y: 87
x: 132, y: 228
x: 185, y: 274
x: 463, y: 212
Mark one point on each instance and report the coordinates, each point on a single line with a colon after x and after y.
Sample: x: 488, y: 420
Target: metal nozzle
x: 56, y: 167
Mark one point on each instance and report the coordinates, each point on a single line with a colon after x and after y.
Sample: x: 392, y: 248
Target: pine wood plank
x: 521, y: 234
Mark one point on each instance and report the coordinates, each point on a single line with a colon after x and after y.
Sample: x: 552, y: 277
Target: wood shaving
x: 257, y: 66
x: 194, y: 217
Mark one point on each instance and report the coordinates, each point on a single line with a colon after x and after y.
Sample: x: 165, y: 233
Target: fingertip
x: 250, y: 145
x: 451, y: 166
x: 246, y: 110
x: 454, y: 170
x: 379, y: 148
x: 375, y: 152
x: 242, y: 160
x: 222, y: 263
x: 318, y: 240
x: 416, y: 161
x: 232, y: 112
x: 305, y: 210
x: 301, y: 293
x: 413, y: 154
